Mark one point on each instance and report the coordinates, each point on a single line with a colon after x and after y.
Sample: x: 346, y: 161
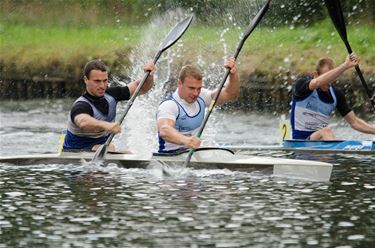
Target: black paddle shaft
x: 173, y: 36
x: 132, y: 98
x: 244, y: 36
x: 336, y: 14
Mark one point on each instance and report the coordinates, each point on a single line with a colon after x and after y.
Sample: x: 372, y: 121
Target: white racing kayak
x: 203, y: 158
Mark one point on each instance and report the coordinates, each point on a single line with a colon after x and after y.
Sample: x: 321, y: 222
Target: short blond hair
x: 190, y: 71
x: 324, y: 62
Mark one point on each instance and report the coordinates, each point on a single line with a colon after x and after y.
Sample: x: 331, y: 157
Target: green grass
x: 284, y: 49
x: 299, y: 48
x: 33, y: 49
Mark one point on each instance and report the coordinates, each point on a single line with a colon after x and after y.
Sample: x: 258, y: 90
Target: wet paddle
x: 173, y: 36
x: 244, y: 36
x: 336, y: 14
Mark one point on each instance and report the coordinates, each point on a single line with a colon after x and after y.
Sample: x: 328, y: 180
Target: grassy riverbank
x: 29, y: 50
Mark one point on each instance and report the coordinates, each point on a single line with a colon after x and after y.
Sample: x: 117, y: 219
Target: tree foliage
x: 210, y: 12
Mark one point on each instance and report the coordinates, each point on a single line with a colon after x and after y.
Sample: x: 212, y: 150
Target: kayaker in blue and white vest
x: 315, y: 99
x: 181, y: 114
x: 92, y: 116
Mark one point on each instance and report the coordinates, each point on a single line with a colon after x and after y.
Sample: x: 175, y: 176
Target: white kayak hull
x: 203, y: 159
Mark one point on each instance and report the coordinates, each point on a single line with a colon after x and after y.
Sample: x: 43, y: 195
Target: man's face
x: 97, y: 83
x: 190, y: 89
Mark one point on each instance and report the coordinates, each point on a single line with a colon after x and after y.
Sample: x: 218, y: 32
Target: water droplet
x: 348, y: 183
x: 345, y: 224
x: 15, y: 194
x: 356, y: 237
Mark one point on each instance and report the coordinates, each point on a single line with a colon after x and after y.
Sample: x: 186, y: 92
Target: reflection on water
x: 83, y: 205
x: 51, y: 206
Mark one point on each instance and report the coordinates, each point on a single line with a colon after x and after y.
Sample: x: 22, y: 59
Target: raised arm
x: 231, y: 90
x: 325, y: 79
x: 148, y: 83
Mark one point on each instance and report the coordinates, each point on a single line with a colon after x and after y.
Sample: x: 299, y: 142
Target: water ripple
x: 83, y: 205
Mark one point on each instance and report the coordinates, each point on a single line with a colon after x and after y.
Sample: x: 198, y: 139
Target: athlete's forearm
x: 171, y: 135
x: 90, y: 124
x: 233, y: 87
x: 362, y: 126
x: 150, y: 79
x: 359, y: 124
x: 147, y: 85
x: 329, y: 77
x: 230, y: 91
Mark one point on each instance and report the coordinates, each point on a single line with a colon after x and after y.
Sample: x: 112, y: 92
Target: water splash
x: 139, y: 131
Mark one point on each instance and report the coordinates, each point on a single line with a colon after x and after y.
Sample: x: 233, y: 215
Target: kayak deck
x: 315, y: 146
x: 205, y: 159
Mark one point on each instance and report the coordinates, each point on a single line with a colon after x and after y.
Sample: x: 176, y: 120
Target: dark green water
x: 85, y: 206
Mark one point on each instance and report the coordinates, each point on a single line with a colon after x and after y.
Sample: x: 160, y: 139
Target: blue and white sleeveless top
x: 185, y: 124
x: 76, y: 138
x: 311, y: 114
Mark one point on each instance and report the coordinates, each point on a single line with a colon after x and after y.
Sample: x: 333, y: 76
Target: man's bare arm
x: 170, y: 134
x: 90, y: 124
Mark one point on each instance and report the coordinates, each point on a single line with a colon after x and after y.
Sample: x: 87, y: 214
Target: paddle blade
x: 171, y: 38
x: 256, y: 20
x: 335, y: 12
x: 176, y: 33
x: 100, y: 153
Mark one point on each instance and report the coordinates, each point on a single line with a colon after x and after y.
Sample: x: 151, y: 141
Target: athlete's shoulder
x: 169, y: 103
x: 301, y: 87
x: 119, y: 93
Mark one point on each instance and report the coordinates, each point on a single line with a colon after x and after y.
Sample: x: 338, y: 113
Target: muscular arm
x: 90, y: 124
x: 359, y: 124
x: 148, y: 83
x: 329, y: 77
x: 230, y: 91
x: 170, y: 134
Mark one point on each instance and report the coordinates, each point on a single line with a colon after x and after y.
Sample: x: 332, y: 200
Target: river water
x: 86, y: 206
